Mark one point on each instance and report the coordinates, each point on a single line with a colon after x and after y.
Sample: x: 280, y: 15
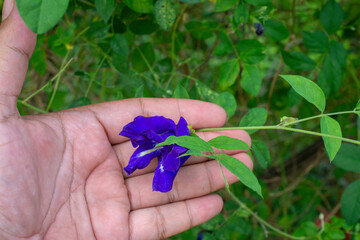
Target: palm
x: 61, y: 174
x: 56, y: 164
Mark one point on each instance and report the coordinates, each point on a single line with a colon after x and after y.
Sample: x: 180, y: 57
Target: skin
x: 61, y: 173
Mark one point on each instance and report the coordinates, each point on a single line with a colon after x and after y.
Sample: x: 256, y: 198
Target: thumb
x: 17, y: 43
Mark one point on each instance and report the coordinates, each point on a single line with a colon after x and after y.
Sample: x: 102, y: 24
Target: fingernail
x: 7, y: 8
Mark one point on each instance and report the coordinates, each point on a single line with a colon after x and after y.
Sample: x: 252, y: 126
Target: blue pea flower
x: 259, y: 28
x: 145, y: 133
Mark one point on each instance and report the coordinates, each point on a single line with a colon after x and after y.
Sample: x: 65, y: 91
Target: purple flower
x: 259, y: 28
x: 145, y: 133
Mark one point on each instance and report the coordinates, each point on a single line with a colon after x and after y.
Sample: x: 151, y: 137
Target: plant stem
x: 279, y: 128
x: 156, y: 77
x: 94, y: 75
x: 51, y: 80
x: 173, y: 35
x: 259, y: 219
x: 57, y: 82
x: 318, y: 116
x: 31, y: 106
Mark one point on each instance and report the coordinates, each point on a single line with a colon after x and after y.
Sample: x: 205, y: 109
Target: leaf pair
x: 313, y: 94
x: 197, y: 145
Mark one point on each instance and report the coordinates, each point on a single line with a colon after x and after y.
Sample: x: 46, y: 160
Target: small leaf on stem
x: 241, y: 171
x: 307, y: 89
x: 228, y: 143
x: 332, y: 127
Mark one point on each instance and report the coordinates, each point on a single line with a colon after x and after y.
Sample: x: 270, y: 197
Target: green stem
x: 51, y: 80
x: 318, y: 116
x: 62, y: 66
x: 156, y: 77
x: 259, y: 219
x: 57, y: 82
x: 31, y: 106
x: 94, y: 75
x: 280, y: 128
x: 173, y: 34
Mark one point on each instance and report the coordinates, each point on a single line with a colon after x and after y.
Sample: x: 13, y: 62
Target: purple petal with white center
x: 163, y: 180
x: 141, y: 158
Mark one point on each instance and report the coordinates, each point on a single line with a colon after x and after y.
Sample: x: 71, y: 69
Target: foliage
x: 209, y: 50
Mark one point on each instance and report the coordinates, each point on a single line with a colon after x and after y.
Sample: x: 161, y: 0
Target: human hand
x: 61, y: 174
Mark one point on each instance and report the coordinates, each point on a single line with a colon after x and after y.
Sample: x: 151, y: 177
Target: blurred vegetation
x: 213, y: 51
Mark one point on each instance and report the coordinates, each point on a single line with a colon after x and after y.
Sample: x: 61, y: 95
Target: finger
x: 17, y: 43
x: 167, y: 220
x: 191, y: 181
x: 125, y: 150
x: 115, y: 115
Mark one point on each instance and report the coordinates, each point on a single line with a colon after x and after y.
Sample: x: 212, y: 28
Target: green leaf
x: 250, y: 51
x: 225, y: 45
x: 254, y: 117
x: 228, y: 143
x: 139, y: 92
x: 143, y: 57
x: 348, y: 158
x: 251, y: 79
x: 229, y: 72
x: 38, y: 58
x: 180, y: 92
x: 190, y: 142
x: 261, y: 152
x: 140, y: 6
x: 201, y: 30
x: 241, y: 14
x: 357, y: 107
x: 350, y: 203
x: 331, y: 16
x: 338, y: 53
x: 330, y: 76
x: 241, y: 171
x: 80, y: 102
x: 228, y: 102
x: 143, y: 27
x: 332, y: 69
x: 331, y: 127
x: 276, y: 30
x: 190, y: 1
x: 41, y: 15
x: 224, y: 5
x: 316, y: 41
x: 205, y: 93
x: 120, y: 62
x: 120, y: 45
x: 105, y: 8
x: 298, y: 61
x: 258, y: 3
x: 307, y: 89
x: 165, y: 14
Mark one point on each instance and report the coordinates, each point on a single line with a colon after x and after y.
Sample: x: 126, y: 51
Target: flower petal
x: 171, y: 161
x: 141, y: 158
x: 158, y: 124
x: 182, y: 128
x: 163, y: 180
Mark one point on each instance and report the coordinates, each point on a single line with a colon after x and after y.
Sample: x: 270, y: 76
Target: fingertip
x: 209, y: 206
x: 218, y: 203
